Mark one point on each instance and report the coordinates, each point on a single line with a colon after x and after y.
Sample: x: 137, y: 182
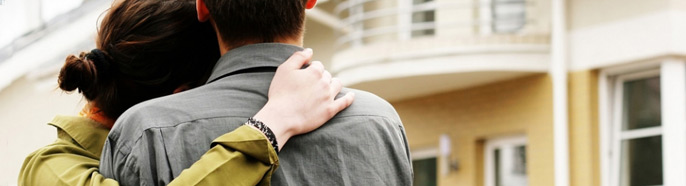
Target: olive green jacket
x: 73, y: 158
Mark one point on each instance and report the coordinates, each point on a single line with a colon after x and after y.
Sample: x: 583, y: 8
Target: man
x: 153, y: 142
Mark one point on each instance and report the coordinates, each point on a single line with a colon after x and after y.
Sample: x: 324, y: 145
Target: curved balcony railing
x: 373, y: 21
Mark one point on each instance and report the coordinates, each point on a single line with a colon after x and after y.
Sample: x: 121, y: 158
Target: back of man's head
x: 241, y: 22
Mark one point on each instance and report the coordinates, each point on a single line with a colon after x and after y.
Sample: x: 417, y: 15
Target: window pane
x: 641, y: 162
x: 423, y: 17
x: 424, y: 172
x: 519, y: 168
x: 508, y: 15
x: 642, y: 107
x: 510, y: 166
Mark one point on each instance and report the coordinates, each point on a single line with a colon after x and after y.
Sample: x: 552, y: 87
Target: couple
x: 230, y: 51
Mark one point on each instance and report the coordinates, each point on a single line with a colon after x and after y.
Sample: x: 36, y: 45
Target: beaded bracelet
x: 265, y: 130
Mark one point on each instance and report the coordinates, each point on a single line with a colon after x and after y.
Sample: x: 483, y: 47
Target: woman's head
x: 145, y: 49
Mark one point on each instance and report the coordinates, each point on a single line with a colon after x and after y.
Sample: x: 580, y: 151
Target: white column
x: 558, y: 72
x: 673, y: 83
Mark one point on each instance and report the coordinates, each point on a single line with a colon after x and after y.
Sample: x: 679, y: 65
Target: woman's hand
x: 301, y: 100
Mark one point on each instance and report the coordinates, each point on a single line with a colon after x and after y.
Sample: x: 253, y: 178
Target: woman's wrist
x: 280, y: 126
x: 265, y: 130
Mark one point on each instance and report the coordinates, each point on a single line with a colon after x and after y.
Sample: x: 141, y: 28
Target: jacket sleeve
x: 62, y: 163
x: 241, y: 157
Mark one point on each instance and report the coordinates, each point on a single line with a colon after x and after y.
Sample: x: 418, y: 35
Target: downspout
x: 558, y: 72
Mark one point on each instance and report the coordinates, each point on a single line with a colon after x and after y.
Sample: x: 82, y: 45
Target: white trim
x: 604, y: 111
x: 636, y: 75
x: 426, y: 153
x: 627, y: 40
x: 615, y: 128
x: 640, y: 133
x: 673, y: 83
x: 630, y: 68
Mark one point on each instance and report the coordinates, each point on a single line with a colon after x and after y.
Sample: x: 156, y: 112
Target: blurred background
x: 491, y: 92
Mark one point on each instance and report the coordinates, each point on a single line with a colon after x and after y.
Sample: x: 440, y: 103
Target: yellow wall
x: 583, y: 128
x: 518, y: 106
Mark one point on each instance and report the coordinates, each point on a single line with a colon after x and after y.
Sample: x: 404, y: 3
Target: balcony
x: 400, y: 49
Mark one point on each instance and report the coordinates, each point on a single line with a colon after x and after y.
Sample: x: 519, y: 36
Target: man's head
x: 241, y: 22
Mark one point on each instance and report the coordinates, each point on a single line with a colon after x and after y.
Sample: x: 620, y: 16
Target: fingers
x: 326, y: 77
x: 298, y: 60
x: 335, y: 87
x: 317, y: 66
x: 342, y: 103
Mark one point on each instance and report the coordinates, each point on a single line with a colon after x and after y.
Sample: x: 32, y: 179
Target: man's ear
x: 203, y: 12
x: 184, y: 87
x: 310, y: 4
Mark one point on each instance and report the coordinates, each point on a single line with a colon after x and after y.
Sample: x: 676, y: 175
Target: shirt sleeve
x: 241, y: 157
x: 62, y: 163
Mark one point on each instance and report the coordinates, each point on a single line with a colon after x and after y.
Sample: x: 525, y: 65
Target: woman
x: 152, y: 48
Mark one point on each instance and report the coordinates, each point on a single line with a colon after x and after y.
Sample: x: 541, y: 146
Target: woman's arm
x: 300, y: 100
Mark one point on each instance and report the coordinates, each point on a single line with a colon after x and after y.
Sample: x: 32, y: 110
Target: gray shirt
x: 154, y: 141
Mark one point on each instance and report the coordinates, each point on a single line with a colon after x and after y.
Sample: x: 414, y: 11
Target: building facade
x: 491, y: 92
x: 475, y: 84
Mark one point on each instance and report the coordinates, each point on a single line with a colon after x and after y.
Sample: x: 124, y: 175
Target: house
x: 491, y: 92
x: 523, y: 92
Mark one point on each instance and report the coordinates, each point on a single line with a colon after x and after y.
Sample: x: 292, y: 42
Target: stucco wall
x: 586, y: 13
x: 583, y: 128
x: 470, y: 116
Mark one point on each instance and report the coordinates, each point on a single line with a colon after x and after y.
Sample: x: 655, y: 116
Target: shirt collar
x: 87, y: 133
x: 253, y: 56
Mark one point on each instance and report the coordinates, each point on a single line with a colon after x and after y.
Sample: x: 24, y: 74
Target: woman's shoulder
x: 48, y: 164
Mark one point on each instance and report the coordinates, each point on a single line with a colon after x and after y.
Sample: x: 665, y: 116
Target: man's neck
x: 224, y: 48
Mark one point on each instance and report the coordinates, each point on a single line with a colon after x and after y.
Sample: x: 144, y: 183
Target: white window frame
x: 672, y: 74
x: 424, y: 153
x: 617, y: 135
x: 491, y: 145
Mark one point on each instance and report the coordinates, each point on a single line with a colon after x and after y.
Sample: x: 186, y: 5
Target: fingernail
x: 308, y: 51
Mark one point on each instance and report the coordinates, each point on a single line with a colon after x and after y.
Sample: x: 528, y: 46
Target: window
x: 356, y: 13
x: 502, y: 16
x: 505, y: 161
x: 637, y: 130
x: 422, y: 21
x: 509, y: 16
x: 642, y: 109
x: 424, y: 164
x: 424, y: 172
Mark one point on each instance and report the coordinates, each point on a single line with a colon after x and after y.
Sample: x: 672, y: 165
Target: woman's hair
x: 145, y: 49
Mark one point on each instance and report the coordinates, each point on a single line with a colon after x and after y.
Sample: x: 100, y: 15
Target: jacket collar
x: 252, y: 56
x: 87, y: 133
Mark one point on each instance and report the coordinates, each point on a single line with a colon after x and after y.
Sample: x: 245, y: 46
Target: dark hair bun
x: 78, y: 72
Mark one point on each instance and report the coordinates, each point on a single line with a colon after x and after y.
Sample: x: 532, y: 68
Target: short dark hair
x: 146, y: 49
x: 240, y: 22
